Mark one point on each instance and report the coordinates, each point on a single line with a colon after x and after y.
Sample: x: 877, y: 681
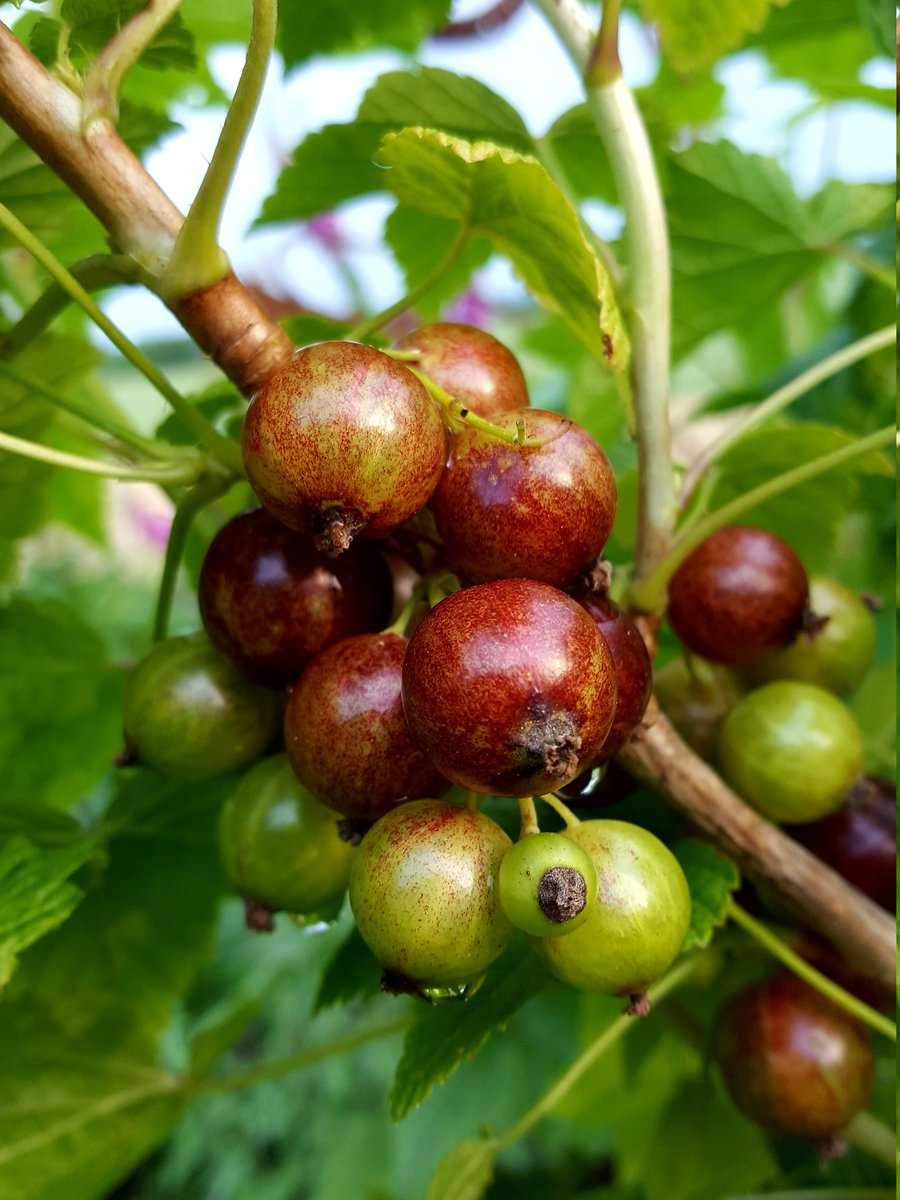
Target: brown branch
x: 859, y: 929
x: 225, y: 320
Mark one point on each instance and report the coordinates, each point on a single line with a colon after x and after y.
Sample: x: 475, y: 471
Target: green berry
x: 280, y: 846
x: 642, y: 912
x: 837, y: 654
x: 791, y: 750
x: 423, y: 891
x: 190, y: 714
x: 547, y: 884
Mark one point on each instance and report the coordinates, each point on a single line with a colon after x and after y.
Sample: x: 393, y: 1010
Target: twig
x: 109, y: 68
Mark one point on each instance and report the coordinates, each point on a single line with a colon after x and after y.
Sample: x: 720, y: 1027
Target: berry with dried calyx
x: 547, y: 884
x: 509, y: 688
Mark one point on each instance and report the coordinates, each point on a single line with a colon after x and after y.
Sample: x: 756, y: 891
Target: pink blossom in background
x: 152, y: 524
x: 327, y: 232
x: 470, y: 309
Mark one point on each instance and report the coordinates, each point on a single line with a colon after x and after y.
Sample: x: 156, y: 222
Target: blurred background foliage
x: 779, y: 258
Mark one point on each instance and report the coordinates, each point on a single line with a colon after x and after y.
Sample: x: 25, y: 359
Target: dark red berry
x: 509, y: 688
x: 508, y: 512
x: 345, y: 732
x: 601, y: 786
x: 471, y: 365
x: 634, y: 670
x: 741, y: 593
x: 794, y: 1062
x: 270, y: 601
x: 860, y: 840
x: 343, y: 441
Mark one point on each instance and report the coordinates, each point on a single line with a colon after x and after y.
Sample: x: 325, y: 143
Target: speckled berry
x: 270, y: 601
x: 280, y: 846
x: 634, y: 670
x: 638, y: 924
x: 792, y: 1061
x: 423, y: 889
x: 473, y: 366
x: 189, y: 713
x: 507, y: 511
x: 346, y: 733
x: 547, y: 884
x: 343, y: 441
x: 740, y: 594
x: 509, y: 688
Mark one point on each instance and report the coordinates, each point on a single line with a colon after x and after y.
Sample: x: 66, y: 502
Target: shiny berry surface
x: 792, y: 1061
x: 860, y: 840
x: 639, y: 922
x: 543, y: 513
x: 473, y: 366
x: 509, y: 688
x: 791, y: 750
x: 634, y: 670
x: 835, y: 652
x: 346, y: 734
x: 547, y: 884
x: 343, y: 441
x: 423, y: 889
x: 280, y: 846
x: 270, y: 601
x: 741, y: 593
x: 190, y: 714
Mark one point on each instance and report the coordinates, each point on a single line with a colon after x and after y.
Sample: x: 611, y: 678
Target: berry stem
x: 365, y: 328
x: 204, y: 493
x: 528, y: 813
x: 102, y: 82
x: 867, y: 1133
x: 223, y: 449
x: 676, y: 977
x: 648, y: 594
x: 562, y: 809
x: 802, y: 969
x: 198, y: 261
x: 828, y: 367
x: 182, y: 471
x: 296, y: 1062
x: 457, y: 414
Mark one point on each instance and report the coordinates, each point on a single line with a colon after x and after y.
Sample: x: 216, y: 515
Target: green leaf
x: 35, y: 894
x: 219, y: 403
x: 43, y: 40
x: 879, y: 18
x: 352, y: 973
x: 511, y: 199
x: 219, y: 1033
x: 443, y: 1037
x: 306, y: 328
x: 712, y: 878
x: 93, y: 22
x: 60, y: 719
x: 464, y: 1173
x: 351, y: 26
x: 337, y: 163
x: 695, y: 33
x: 875, y: 708
x: 703, y: 1147
x: 419, y: 242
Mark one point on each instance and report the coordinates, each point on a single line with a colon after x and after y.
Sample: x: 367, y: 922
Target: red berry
x: 794, y: 1062
x: 345, y: 732
x: 860, y: 840
x: 343, y: 440
x: 634, y: 670
x: 507, y: 512
x: 741, y: 593
x: 270, y: 601
x: 471, y: 365
x: 509, y: 688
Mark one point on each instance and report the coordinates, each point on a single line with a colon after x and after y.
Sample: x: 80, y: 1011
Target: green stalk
x: 365, y: 329
x: 802, y: 969
x: 785, y: 395
x: 198, y: 261
x: 296, y: 1062
x: 183, y: 471
x: 528, y: 817
x: 204, y: 493
x: 222, y: 449
x: 648, y: 594
x: 102, y: 82
x: 886, y: 276
x: 867, y: 1133
x: 561, y: 809
x: 457, y: 413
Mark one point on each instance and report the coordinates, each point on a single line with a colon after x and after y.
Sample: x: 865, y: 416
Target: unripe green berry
x: 423, y: 889
x: 642, y: 912
x: 547, y: 884
x: 280, y: 846
x: 834, y: 655
x: 791, y: 750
